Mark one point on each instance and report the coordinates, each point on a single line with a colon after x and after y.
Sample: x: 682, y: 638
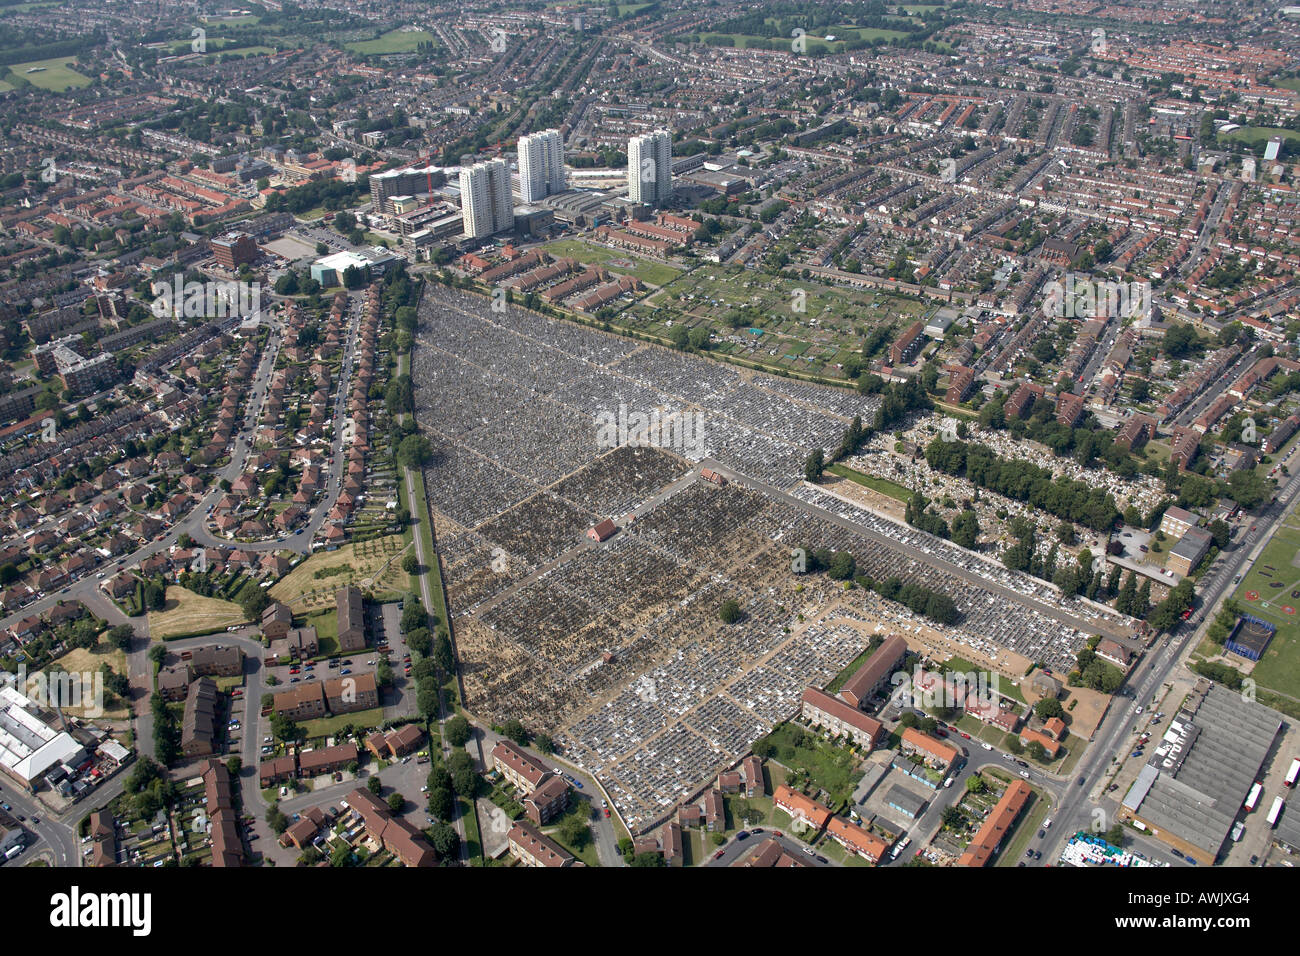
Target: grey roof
x: 905, y: 800
x: 1288, y: 828
x: 1202, y: 769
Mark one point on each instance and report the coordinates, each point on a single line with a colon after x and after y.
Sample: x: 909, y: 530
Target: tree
x: 445, y: 840
x: 441, y: 803
x: 395, y: 801
x: 952, y: 817
x: 651, y: 858
x: 1115, y: 835
x: 255, y: 604
x: 976, y: 784
x: 234, y: 765
x: 121, y: 636
x: 574, y: 831
x: 414, y: 451
x: 457, y: 731
x: 544, y: 743
x: 729, y: 613
x: 1048, y: 708
x: 374, y: 785
x: 411, y: 564
x: 813, y: 466
x: 1036, y: 750
x: 966, y: 529
x: 513, y: 729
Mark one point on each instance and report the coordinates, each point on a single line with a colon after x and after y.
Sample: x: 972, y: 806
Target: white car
x: 1047, y: 824
x: 1025, y: 774
x: 987, y: 746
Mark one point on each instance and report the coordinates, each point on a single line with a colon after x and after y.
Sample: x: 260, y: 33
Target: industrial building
x: 1194, y: 784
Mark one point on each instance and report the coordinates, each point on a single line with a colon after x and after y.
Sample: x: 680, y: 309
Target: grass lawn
x: 830, y: 768
x: 653, y: 273
x: 55, y: 74
x: 1279, y: 668
x: 1258, y: 134
x: 394, y: 41
x: 366, y: 564
x: 326, y: 726
x: 188, y: 613
x: 882, y: 485
x: 81, y: 661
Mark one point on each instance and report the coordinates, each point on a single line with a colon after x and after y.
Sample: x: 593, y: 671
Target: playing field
x: 55, y: 75
x: 394, y: 41
x: 1271, y: 591
x: 188, y: 613
x: 653, y: 273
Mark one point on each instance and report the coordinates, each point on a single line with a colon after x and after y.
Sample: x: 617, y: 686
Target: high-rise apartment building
x: 650, y: 168
x: 541, y: 165
x: 485, y: 201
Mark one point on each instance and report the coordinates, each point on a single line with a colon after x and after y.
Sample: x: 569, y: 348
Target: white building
x: 541, y: 165
x: 485, y: 203
x: 650, y: 168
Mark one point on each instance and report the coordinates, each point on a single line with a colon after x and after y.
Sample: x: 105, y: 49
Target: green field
x: 55, y: 74
x: 1259, y: 134
x: 882, y: 485
x: 394, y: 41
x: 652, y: 273
x: 743, y: 41
x: 1279, y: 668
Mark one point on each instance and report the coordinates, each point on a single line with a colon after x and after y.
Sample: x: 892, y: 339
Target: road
x: 1079, y: 802
x: 59, y: 834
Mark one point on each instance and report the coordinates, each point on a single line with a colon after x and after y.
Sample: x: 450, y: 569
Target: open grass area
x: 653, y: 273
x: 882, y: 485
x: 827, y: 767
x: 188, y: 613
x: 56, y: 74
x: 370, y: 565
x: 81, y: 661
x: 394, y: 41
x: 1268, y: 591
x: 1258, y: 134
x: 326, y: 726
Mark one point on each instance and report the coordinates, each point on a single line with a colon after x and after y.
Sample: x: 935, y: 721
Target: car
x: 237, y: 692
x: 1082, y: 780
x: 293, y: 680
x: 1047, y: 824
x: 1137, y: 709
x: 742, y: 835
x: 719, y: 854
x: 1042, y: 834
x: 371, y: 661
x: 267, y: 739
x: 757, y: 830
x: 348, y: 661
x: 1176, y: 853
x: 987, y: 746
x: 267, y: 750
x: 1038, y: 854
x: 35, y: 820
x: 607, y: 813
x: 1006, y: 756
x: 1029, y: 854
x: 1022, y: 763
x: 1254, y: 860
x: 284, y: 791
x: 810, y: 851
x: 1021, y: 863
x: 1025, y: 774
x: 965, y: 736
x: 346, y: 670
x: 5, y: 807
